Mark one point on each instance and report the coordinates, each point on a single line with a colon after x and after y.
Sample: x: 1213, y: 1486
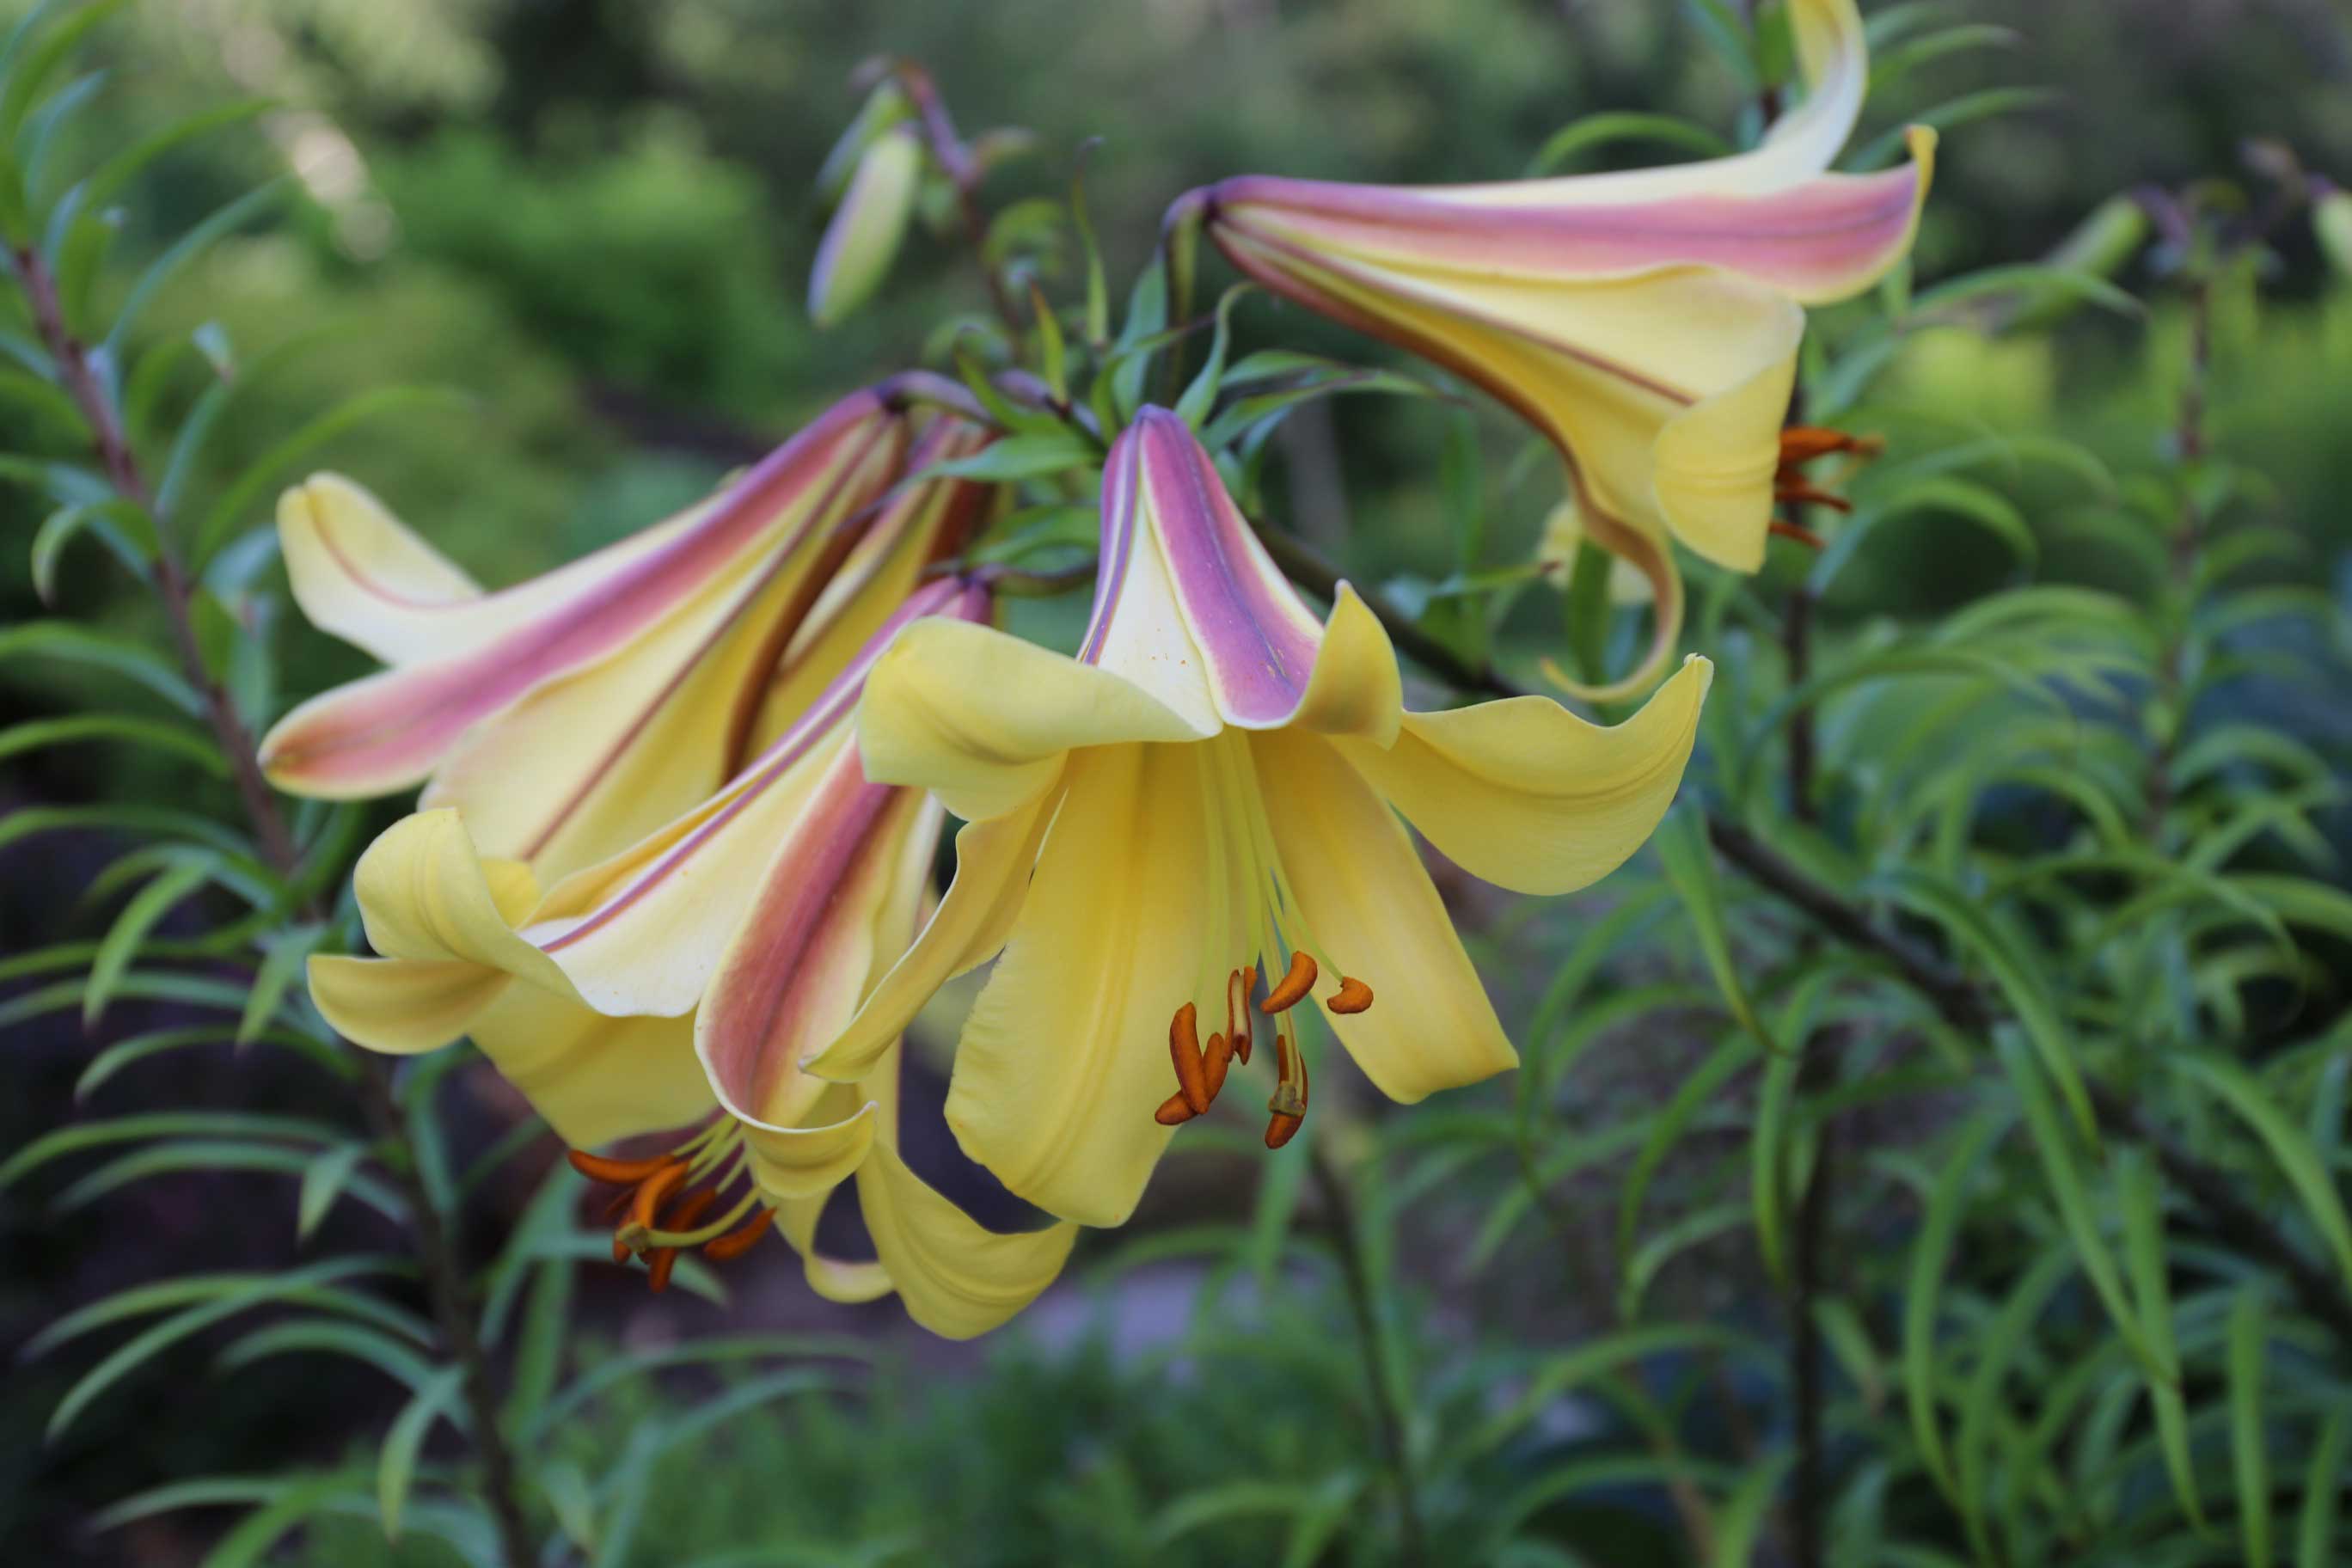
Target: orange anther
x: 620, y: 1249
x: 1295, y: 985
x: 1353, y: 995
x: 738, y: 1242
x: 689, y: 1209
x: 657, y: 1267
x: 1811, y: 495
x: 1804, y: 536
x: 1173, y: 1112
x: 1803, y: 443
x: 1217, y: 1060
x: 597, y: 1168
x: 652, y: 1192
x: 1184, y: 1050
x: 1281, y: 1129
x: 1238, y: 1022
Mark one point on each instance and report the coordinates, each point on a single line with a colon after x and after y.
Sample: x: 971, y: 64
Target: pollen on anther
x: 1295, y: 985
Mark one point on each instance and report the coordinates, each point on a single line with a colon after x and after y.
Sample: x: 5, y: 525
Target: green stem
x: 1413, y: 1549
x: 444, y: 1280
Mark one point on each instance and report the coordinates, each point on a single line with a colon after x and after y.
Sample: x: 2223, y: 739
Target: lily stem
x: 1413, y: 1546
x: 175, y: 591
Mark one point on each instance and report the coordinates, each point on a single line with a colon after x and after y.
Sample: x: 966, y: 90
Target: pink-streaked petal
x: 1176, y: 548
x: 801, y: 956
x: 1821, y: 240
x: 387, y: 731
x: 640, y: 933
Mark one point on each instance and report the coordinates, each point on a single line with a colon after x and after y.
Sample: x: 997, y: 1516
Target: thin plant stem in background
x: 378, y: 1101
x: 1348, y: 1240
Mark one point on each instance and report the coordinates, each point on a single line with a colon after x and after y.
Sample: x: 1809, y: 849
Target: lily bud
x: 2331, y: 220
x: 863, y: 239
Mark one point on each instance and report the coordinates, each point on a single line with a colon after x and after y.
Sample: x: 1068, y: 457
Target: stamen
x: 1803, y: 443
x: 1803, y: 494
x: 1184, y: 1050
x: 1219, y: 1060
x: 1294, y: 988
x: 1353, y: 995
x: 651, y: 1192
x: 736, y: 1243
x: 1804, y: 536
x: 1238, y: 1022
x: 1173, y: 1112
x: 681, y: 1217
x: 597, y: 1168
x: 1287, y: 1108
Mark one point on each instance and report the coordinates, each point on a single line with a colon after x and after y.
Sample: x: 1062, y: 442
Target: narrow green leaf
x: 2021, y: 981
x: 2249, y: 1460
x: 237, y: 503
x: 121, y: 942
x: 29, y: 72
x: 2142, y: 1205
x: 1931, y: 1252
x: 1194, y: 406
x: 187, y: 744
x: 404, y: 1442
x: 324, y: 1178
x: 2323, y: 1492
x: 79, y: 645
x: 331, y: 1336
x: 2296, y: 1158
x: 1594, y: 132
x: 1739, y: 1523
x: 63, y: 1141
x: 149, y: 1343
x: 189, y: 246
x: 2076, y: 1211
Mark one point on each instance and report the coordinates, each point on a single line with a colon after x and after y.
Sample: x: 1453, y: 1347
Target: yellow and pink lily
x: 571, y: 715
x: 1208, y: 794
x: 679, y: 984
x: 1646, y: 321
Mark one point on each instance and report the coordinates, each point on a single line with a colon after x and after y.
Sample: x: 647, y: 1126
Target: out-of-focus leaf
x: 186, y: 248
x: 237, y: 501
x: 2138, y: 1197
x: 404, y: 1441
x: 121, y: 945
x: 2249, y: 1456
x: 1931, y: 1252
x: 1594, y: 132
x: 2297, y: 1160
x: 2322, y: 1491
x: 325, y: 1176
x: 79, y: 645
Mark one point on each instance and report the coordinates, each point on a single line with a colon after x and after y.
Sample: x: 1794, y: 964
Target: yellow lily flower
x: 1209, y: 787
x: 682, y: 982
x: 568, y: 716
x: 1646, y: 321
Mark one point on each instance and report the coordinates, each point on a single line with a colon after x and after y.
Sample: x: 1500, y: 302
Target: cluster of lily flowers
x: 671, y: 864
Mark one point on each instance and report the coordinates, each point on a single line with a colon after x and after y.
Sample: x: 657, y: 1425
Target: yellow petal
x: 1371, y: 911
x: 811, y: 1160
x: 425, y: 894
x: 958, y: 1277
x: 1527, y: 795
x: 1354, y: 689
x: 834, y: 1279
x: 982, y: 719
x: 1713, y: 461
x: 1065, y: 1057
x: 595, y: 1079
x: 359, y: 572
x: 992, y: 862
x: 404, y: 1006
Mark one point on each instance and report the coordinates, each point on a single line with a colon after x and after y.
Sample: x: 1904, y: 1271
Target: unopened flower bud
x: 863, y: 239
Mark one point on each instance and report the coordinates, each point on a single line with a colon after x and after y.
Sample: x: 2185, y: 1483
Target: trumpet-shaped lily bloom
x: 1646, y: 321
x: 568, y: 716
x: 1210, y: 791
x: 683, y: 981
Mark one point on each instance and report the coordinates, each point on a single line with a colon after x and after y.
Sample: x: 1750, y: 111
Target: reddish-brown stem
x: 955, y: 161
x: 444, y: 1280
